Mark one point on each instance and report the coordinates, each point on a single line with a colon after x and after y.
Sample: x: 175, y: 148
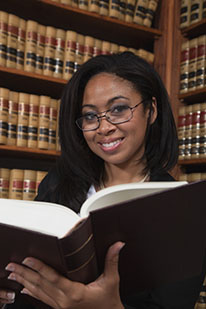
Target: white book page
x: 43, y: 217
x: 123, y: 192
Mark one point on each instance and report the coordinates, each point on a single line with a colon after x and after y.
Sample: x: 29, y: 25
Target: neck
x: 115, y: 175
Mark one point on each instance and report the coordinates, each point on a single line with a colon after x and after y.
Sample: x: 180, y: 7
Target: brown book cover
x: 181, y: 131
x: 150, y: 13
x: 21, y: 44
x: 4, y: 104
x: 13, y: 24
x: 195, y: 145
x: 157, y: 257
x: 185, y: 13
x: 33, y: 121
x: 184, y: 67
x: 201, y: 61
x: 4, y: 182
x: 3, y: 37
x: 12, y: 117
x: 203, y: 131
x: 69, y: 54
x: 195, y: 11
x: 59, y: 53
x: 130, y: 10
x: 188, y: 132
x: 204, y: 9
x: 140, y: 11
x: 29, y: 185
x: 30, y: 46
x: 114, y: 8
x: 23, y: 119
x: 40, y: 45
x: 16, y: 184
x: 49, y: 51
x: 53, y: 110
x: 192, y: 64
x: 43, y: 125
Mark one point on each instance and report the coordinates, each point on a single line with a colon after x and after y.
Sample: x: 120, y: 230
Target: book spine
x: 104, y: 7
x: 67, y: 2
x: 114, y: 48
x: 13, y: 24
x: 49, y: 51
x: 195, y: 11
x: 188, y: 132
x: 29, y: 185
x: 33, y: 121
x: 3, y: 37
x: 150, y: 13
x: 12, y: 117
x: 192, y: 64
x: 114, y: 8
x: 88, y: 48
x: 59, y: 53
x: 106, y: 47
x: 195, y: 143
x: 4, y: 182
x: 23, y: 118
x: 181, y: 131
x: 79, y: 52
x: 83, y: 5
x: 130, y: 10
x: 97, y: 50
x: 4, y: 104
x: 40, y: 45
x: 69, y: 57
x: 122, y: 9
x: 21, y: 44
x: 74, y: 3
x: 16, y: 184
x: 39, y: 177
x: 94, y: 6
x: 30, y: 46
x: 204, y: 9
x: 52, y: 124
x: 184, y: 67
x: 203, y: 131
x: 201, y: 61
x: 140, y: 11
x: 43, y: 127
x: 185, y: 13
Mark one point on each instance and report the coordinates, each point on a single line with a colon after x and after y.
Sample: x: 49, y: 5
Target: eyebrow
x: 108, y: 103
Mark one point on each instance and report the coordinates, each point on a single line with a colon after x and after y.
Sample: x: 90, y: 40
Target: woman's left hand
x: 45, y: 284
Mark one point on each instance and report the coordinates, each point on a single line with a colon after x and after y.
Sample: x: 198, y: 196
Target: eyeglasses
x: 117, y: 114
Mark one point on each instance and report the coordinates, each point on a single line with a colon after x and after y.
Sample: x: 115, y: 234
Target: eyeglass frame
x: 109, y: 120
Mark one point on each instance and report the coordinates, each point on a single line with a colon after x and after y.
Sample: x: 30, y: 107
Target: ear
x: 154, y: 110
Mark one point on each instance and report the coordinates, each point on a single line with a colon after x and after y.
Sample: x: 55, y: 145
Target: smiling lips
x: 110, y: 146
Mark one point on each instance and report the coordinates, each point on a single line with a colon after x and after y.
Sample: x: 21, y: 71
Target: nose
x: 105, y: 127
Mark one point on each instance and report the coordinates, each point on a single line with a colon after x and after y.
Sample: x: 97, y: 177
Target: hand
x: 6, y: 297
x: 45, y: 284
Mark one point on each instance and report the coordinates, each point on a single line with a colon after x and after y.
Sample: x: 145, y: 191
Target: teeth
x: 112, y: 143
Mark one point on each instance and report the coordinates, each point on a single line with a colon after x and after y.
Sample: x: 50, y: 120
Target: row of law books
x: 191, y: 12
x: 33, y: 47
x: 141, y: 12
x: 28, y: 120
x: 192, y: 131
x: 20, y: 184
x: 192, y: 177
x: 193, y: 64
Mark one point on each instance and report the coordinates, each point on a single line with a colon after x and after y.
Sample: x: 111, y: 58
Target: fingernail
x: 28, y: 262
x: 10, y: 267
x: 12, y: 276
x: 10, y: 295
x: 121, y: 245
x: 25, y: 291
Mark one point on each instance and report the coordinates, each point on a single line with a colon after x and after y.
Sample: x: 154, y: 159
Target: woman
x: 116, y: 126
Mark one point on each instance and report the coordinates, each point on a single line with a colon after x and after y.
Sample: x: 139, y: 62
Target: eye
x: 119, y: 109
x: 90, y: 116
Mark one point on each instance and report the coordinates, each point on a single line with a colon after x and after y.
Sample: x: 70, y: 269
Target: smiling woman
x: 116, y: 126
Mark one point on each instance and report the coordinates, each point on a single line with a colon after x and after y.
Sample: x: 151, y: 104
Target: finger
x: 7, y: 297
x: 111, y: 261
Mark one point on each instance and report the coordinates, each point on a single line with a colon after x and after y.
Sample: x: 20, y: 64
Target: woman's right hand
x: 6, y: 297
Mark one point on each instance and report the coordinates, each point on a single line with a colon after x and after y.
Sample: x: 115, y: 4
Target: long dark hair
x: 78, y: 166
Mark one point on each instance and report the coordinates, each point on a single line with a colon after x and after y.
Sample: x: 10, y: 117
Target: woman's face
x: 115, y: 143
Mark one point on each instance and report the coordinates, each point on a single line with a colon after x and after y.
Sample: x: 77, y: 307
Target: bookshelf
x: 197, y: 165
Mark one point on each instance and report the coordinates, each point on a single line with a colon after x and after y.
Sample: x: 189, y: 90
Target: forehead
x: 104, y: 84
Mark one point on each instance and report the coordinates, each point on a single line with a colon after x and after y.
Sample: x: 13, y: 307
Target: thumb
x: 112, y: 259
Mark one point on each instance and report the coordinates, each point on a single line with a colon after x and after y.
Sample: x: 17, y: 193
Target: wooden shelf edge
x: 152, y: 31
x: 195, y: 28
x: 33, y: 75
x: 52, y: 154
x: 192, y: 162
x: 191, y: 95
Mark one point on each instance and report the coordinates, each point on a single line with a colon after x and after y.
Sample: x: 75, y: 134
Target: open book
x: 162, y: 224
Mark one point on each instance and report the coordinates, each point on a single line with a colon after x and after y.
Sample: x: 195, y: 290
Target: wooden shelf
x: 195, y: 96
x: 63, y: 16
x: 192, y: 162
x: 22, y: 81
x: 29, y: 153
x: 196, y: 29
